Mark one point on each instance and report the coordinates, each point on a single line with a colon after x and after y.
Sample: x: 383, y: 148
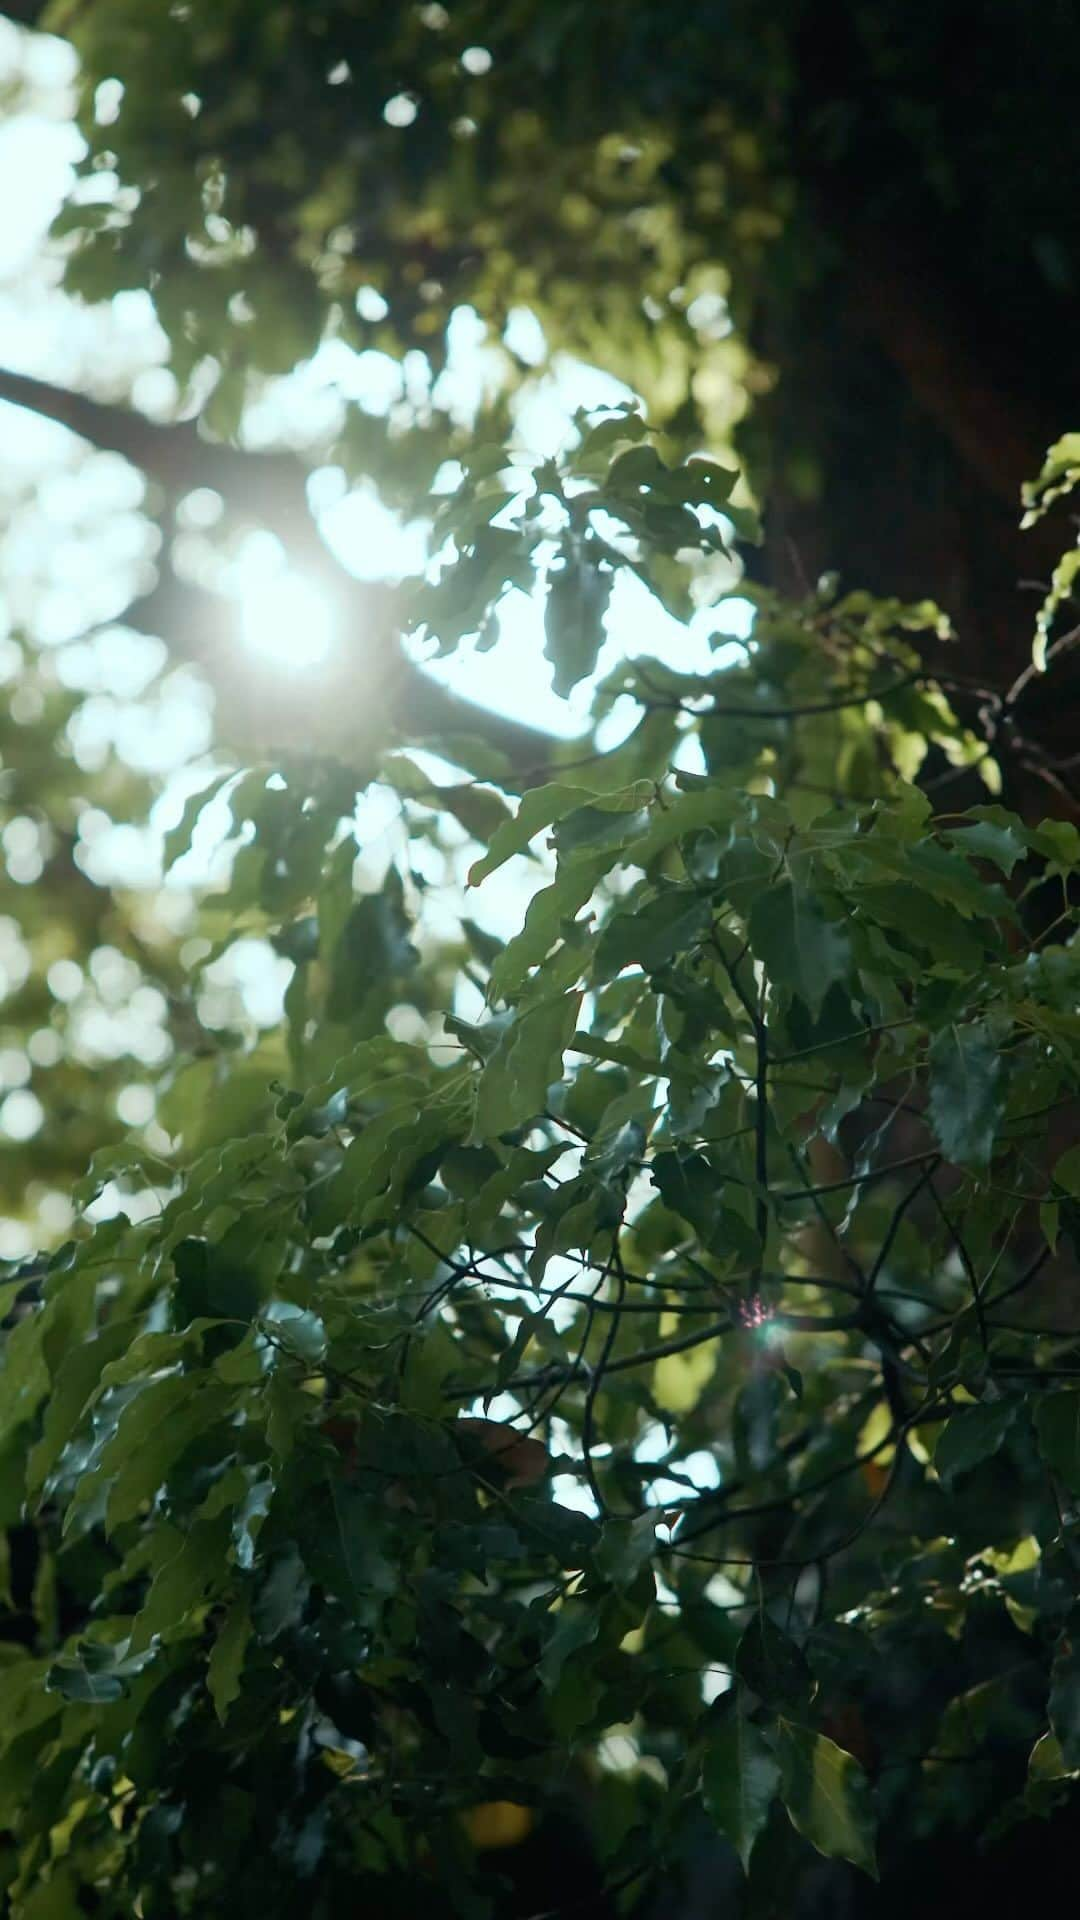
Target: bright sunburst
x: 287, y: 620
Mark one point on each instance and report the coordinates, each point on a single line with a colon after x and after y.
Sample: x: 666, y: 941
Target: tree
x: 620, y: 1363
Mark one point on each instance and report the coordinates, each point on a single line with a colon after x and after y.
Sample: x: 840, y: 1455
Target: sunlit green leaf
x: 827, y: 1795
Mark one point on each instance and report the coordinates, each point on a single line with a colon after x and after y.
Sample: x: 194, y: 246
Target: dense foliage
x: 318, y: 1597
x: 622, y: 1365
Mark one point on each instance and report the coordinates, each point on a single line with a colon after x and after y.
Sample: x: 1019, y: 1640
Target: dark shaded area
x: 925, y: 325
x: 951, y: 1877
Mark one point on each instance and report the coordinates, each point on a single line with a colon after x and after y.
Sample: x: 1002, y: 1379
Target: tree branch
x: 349, y: 705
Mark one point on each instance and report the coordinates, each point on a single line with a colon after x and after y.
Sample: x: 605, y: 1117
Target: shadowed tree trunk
x: 927, y: 364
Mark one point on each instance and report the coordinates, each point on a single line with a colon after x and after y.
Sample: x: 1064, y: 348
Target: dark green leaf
x: 1065, y: 1700
x: 740, y: 1777
x: 972, y: 1436
x: 564, y: 1533
x: 1057, y: 1423
x: 966, y: 1097
x: 768, y: 1661
x: 803, y: 952
x: 577, y: 600
x: 542, y: 807
x: 576, y: 1626
x: 528, y: 1059
x: 227, y: 1657
x: 993, y: 836
x: 672, y: 923
x: 691, y: 1186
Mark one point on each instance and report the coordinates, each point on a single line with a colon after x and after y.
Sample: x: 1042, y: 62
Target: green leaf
x: 227, y: 1657
x: 528, y: 1059
x: 152, y: 1434
x: 827, y: 1796
x: 803, y: 952
x: 966, y: 1097
x: 281, y: 1599
x: 596, y: 829
x: 210, y: 1283
x: 479, y: 809
x: 564, y: 1533
x: 942, y: 873
x: 577, y: 600
x: 1067, y: 1171
x: 1064, y: 1705
x: 626, y: 1546
x: 1046, y: 1760
x: 1057, y: 1423
x: 700, y: 482
x: 710, y: 808
x: 371, y: 948
x: 95, y: 1674
x: 640, y: 466
x: 79, y: 1375
x: 543, y: 807
x: 618, y: 1145
x: 178, y: 839
x: 1060, y: 474
x: 918, y: 918
x: 768, y: 1661
x: 69, y: 1677
x: 972, y: 1436
x: 1059, y: 842
x: 341, y: 1549
x: 991, y: 836
x: 248, y: 1524
x: 548, y: 911
x: 24, y: 1375
x: 740, y: 1777
x: 574, y: 1627
x: 190, y: 1567
x: 624, y: 424
x: 671, y: 924
x: 691, y: 1186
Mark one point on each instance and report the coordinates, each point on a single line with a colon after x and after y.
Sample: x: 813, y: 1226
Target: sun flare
x: 287, y: 621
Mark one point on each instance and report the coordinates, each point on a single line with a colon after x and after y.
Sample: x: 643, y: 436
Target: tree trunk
x: 921, y: 376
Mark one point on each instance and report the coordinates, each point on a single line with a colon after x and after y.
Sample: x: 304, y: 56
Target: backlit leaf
x: 827, y: 1796
x: 528, y: 1059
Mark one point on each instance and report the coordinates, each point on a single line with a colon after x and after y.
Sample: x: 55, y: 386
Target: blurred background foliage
x: 807, y: 233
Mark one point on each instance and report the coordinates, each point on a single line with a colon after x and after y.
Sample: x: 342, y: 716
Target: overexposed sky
x: 119, y: 344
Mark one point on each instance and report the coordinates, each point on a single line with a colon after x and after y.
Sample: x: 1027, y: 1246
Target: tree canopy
x: 590, y: 1343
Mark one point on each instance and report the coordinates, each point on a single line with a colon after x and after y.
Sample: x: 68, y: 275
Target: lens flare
x: 288, y: 621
